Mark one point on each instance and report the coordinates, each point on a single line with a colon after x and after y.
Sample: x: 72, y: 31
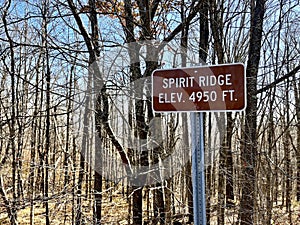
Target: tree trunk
x: 221, y: 172
x: 297, y: 101
x: 288, y: 170
x: 229, y: 160
x: 97, y: 87
x: 217, y: 33
x: 249, y: 147
x: 137, y: 203
x: 269, y: 187
x: 11, y: 208
x: 203, y: 52
x: 48, y: 90
x: 188, y: 166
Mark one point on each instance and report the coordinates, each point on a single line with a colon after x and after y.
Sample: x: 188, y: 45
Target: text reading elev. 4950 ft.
x: 210, y: 88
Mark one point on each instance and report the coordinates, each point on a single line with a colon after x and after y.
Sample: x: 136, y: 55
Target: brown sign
x: 207, y: 88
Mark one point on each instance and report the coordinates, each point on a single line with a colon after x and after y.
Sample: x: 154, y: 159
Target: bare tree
x: 11, y: 206
x: 249, y: 151
x: 53, y: 97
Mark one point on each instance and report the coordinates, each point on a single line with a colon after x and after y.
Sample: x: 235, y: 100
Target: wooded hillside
x: 81, y: 144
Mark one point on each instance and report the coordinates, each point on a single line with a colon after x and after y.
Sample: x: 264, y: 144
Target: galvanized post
x: 198, y: 173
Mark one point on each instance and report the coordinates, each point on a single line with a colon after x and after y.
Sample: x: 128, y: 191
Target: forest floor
x: 115, y: 213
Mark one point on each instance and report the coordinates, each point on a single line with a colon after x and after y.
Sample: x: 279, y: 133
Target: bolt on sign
x: 193, y: 89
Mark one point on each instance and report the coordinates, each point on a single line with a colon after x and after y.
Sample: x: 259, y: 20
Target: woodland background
x: 49, y: 114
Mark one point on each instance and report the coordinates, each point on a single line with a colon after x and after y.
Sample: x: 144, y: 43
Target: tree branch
x: 279, y: 80
x: 84, y: 33
x: 194, y: 12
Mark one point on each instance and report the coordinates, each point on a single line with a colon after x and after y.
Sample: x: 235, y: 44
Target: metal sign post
x: 198, y: 172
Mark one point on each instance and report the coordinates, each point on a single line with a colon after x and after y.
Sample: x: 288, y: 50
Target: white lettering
x: 205, y: 96
x: 228, y: 77
x: 179, y: 96
x: 212, y: 80
x: 221, y: 79
x: 161, y: 98
x: 178, y: 82
x: 202, y: 81
x: 165, y: 83
x: 171, y: 82
x: 226, y: 94
x: 181, y: 82
x: 170, y: 98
